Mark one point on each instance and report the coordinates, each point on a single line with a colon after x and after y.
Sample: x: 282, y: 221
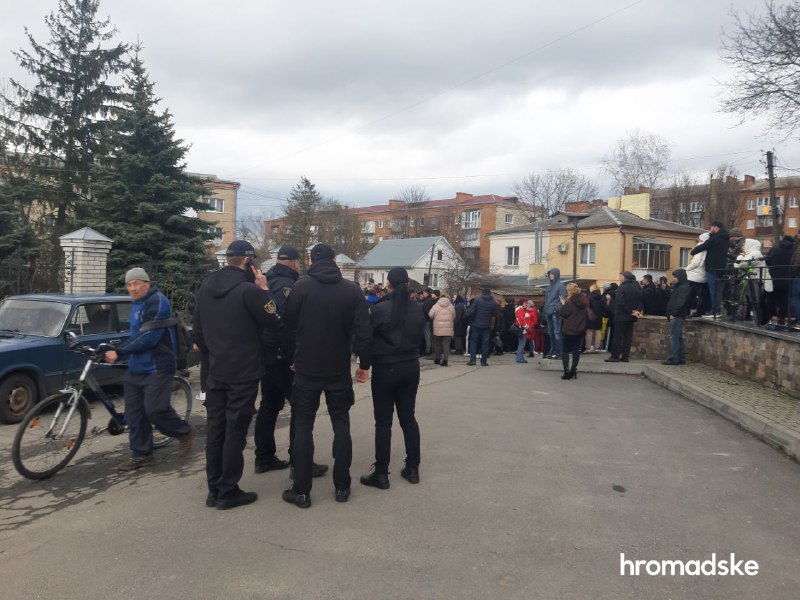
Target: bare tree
x: 764, y: 51
x: 640, y: 159
x: 415, y: 198
x: 721, y: 202
x: 675, y: 201
x: 339, y: 227
x: 250, y: 227
x: 543, y: 194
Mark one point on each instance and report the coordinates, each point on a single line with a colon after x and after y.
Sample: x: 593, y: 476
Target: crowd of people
x: 292, y: 339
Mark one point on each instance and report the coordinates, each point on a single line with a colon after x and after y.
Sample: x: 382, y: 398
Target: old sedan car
x: 35, y: 360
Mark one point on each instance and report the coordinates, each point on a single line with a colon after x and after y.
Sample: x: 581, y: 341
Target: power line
x: 455, y: 86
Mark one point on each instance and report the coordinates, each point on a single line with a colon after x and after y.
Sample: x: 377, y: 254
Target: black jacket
x: 279, y: 345
x: 485, y: 308
x: 680, y: 299
x: 627, y: 299
x: 327, y: 314
x: 395, y: 344
x: 651, y: 302
x: 230, y: 314
x: 716, y: 247
x: 596, y: 302
x: 779, y: 260
x: 459, y: 327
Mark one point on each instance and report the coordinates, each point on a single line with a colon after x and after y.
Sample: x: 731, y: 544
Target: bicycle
x: 745, y: 290
x: 51, y: 433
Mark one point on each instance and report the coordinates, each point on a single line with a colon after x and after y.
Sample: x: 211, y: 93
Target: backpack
x: 183, y: 338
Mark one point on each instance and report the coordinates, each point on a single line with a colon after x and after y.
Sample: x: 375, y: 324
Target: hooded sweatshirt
x: 327, y: 313
x: 555, y: 291
x: 443, y: 316
x: 230, y: 315
x: 680, y: 299
x: 751, y: 256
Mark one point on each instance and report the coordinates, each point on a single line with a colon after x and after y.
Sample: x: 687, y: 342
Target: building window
x: 764, y: 201
x: 765, y: 221
x: 509, y: 219
x: 431, y: 221
x: 457, y: 219
x: 368, y: 227
x: 380, y: 224
x: 435, y: 279
x: 751, y: 204
x: 413, y: 222
x: 650, y: 255
x: 439, y: 254
x: 695, y: 206
x: 792, y: 222
x: 512, y: 256
x: 587, y: 254
x: 751, y: 223
x: 215, y: 205
x: 215, y: 234
x: 422, y: 221
x: 472, y: 220
x: 685, y: 257
x: 793, y: 202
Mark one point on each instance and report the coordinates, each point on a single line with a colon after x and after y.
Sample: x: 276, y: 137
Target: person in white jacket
x: 751, y: 262
x: 443, y: 317
x: 696, y: 274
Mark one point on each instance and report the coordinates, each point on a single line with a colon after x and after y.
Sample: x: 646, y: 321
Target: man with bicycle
x: 151, y: 356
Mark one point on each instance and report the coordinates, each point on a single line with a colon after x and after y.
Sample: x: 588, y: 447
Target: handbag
x: 514, y: 329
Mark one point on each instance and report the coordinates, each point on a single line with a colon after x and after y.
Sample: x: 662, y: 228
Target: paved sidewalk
x: 769, y: 414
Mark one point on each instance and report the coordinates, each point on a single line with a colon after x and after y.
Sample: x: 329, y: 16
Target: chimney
x: 730, y: 181
x: 643, y: 189
x: 396, y: 204
x: 463, y: 197
x: 749, y: 180
x: 627, y: 191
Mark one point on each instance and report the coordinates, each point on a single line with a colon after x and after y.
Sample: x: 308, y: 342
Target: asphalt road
x: 531, y: 488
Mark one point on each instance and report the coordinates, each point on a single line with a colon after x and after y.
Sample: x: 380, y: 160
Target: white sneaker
x: 201, y: 396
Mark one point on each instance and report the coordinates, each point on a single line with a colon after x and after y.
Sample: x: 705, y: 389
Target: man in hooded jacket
x: 233, y: 306
x: 327, y: 314
x: 485, y: 311
x: 556, y: 292
x: 680, y: 302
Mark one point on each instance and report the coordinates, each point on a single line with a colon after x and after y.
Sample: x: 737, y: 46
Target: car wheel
x: 17, y: 395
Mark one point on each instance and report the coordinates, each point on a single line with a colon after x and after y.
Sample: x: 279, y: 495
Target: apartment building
x: 463, y: 221
x: 221, y: 212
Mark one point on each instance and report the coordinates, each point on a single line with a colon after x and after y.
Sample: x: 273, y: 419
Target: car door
x: 95, y: 323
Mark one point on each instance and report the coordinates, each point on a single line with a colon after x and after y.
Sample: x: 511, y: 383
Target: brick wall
x: 766, y: 357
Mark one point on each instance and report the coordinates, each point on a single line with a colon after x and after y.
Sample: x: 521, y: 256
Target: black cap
x: 719, y: 224
x: 628, y: 275
x: 288, y: 253
x: 241, y: 248
x: 397, y: 276
x: 322, y: 252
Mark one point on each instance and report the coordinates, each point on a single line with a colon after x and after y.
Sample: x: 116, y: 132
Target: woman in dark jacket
x: 594, y: 327
x: 459, y: 327
x: 397, y: 330
x: 573, y: 313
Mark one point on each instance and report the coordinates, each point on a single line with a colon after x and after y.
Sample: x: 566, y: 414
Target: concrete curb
x: 597, y: 366
x: 772, y: 433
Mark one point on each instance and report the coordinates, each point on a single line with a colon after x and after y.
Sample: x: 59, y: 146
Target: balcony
x: 470, y: 243
x: 763, y: 231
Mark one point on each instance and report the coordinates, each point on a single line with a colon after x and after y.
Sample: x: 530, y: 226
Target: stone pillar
x: 85, y: 260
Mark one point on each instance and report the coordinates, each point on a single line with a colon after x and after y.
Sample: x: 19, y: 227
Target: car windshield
x: 33, y: 317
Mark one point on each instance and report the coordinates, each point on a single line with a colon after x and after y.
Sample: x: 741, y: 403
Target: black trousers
x: 276, y: 390
x: 395, y: 385
x: 305, y: 398
x: 230, y: 408
x: 623, y: 337
x: 572, y: 345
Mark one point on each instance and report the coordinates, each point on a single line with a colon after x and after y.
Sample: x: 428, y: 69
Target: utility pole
x: 430, y: 263
x: 773, y: 200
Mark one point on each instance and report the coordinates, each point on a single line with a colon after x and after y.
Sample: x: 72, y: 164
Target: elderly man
x: 151, y: 352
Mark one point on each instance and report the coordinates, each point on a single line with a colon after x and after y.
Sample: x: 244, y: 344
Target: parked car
x: 35, y: 360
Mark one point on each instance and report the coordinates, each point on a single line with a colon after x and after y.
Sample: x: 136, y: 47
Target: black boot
x: 573, y: 374
x: 566, y: 375
x: 444, y: 362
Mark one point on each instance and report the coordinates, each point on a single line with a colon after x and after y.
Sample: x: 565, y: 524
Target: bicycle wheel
x: 48, y: 438
x: 754, y: 291
x: 181, y: 401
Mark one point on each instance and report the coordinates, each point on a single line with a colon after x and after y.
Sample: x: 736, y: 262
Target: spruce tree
x: 143, y: 197
x: 300, y: 217
x: 62, y: 115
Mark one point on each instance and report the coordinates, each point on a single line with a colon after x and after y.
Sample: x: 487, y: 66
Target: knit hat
x: 736, y: 232
x: 628, y: 275
x: 137, y: 274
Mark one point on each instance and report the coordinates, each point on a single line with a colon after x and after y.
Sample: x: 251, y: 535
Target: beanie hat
x: 137, y: 274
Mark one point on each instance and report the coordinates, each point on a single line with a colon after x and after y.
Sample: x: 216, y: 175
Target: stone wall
x: 766, y: 357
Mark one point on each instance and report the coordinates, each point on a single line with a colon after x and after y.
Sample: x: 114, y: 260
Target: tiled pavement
x: 769, y: 414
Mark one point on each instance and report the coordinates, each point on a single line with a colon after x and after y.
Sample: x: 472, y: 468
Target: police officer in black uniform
x: 276, y: 385
x: 233, y: 306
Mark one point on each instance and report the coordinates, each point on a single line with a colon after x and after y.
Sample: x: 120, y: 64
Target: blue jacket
x: 152, y: 350
x: 555, y: 291
x: 486, y: 308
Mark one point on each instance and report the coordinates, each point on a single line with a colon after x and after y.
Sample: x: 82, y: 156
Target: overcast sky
x: 365, y: 98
